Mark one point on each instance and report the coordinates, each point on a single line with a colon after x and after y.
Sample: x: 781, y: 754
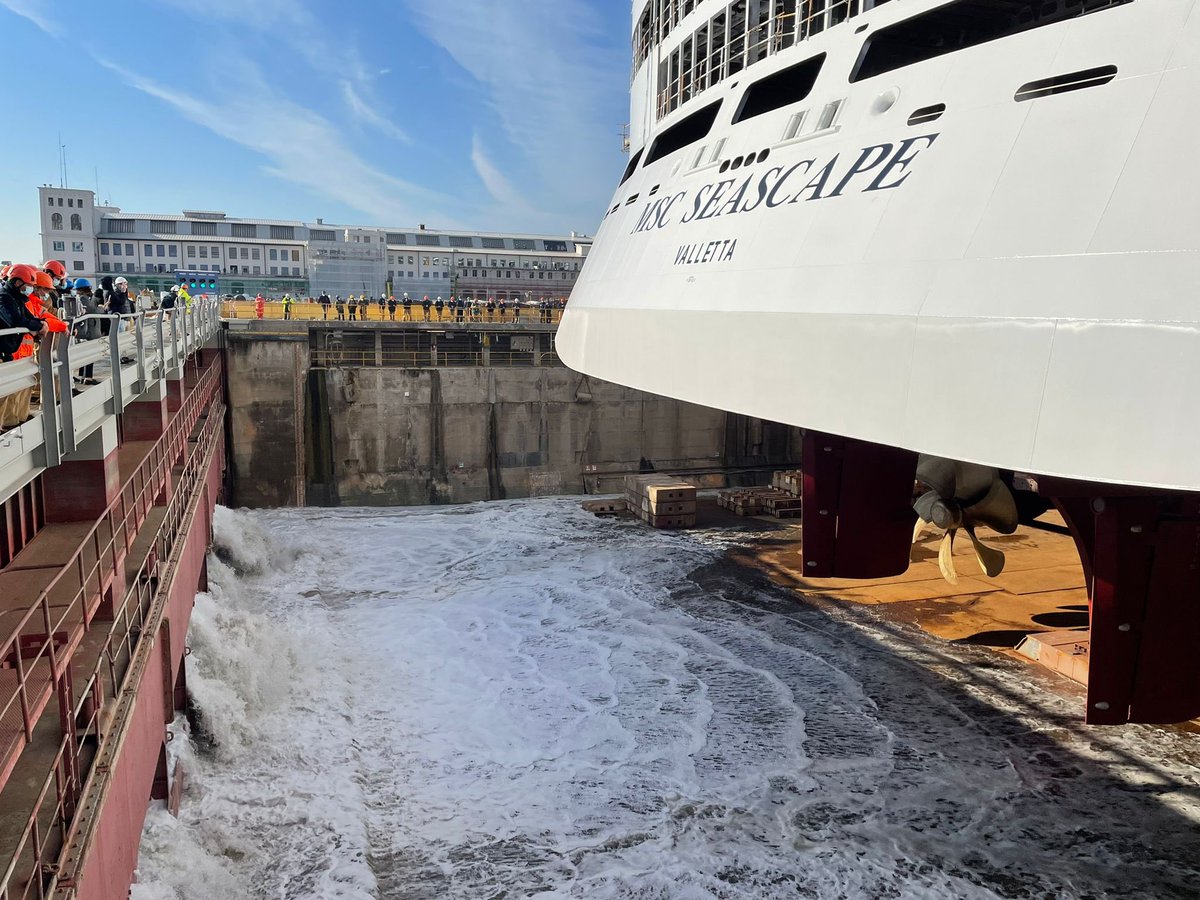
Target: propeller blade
x: 997, y: 510
x: 919, y: 529
x: 990, y: 559
x: 946, y: 557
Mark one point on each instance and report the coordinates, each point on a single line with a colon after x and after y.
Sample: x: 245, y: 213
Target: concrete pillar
x: 379, y: 348
x: 146, y: 418
x: 537, y: 349
x: 433, y: 356
x: 487, y: 350
x: 87, y: 481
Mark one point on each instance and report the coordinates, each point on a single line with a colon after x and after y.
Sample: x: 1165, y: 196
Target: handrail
x: 122, y: 643
x: 152, y: 476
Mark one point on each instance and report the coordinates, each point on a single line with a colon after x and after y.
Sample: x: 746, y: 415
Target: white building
x: 272, y: 256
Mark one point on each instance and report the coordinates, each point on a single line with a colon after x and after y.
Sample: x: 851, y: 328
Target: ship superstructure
x: 959, y: 229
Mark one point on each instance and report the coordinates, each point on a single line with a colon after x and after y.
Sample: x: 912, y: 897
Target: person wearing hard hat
x: 287, y: 305
x: 406, y: 302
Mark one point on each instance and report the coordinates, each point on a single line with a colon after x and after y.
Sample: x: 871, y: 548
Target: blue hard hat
x: 82, y: 283
x: 69, y: 284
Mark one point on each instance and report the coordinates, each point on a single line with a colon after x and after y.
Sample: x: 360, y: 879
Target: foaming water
x: 518, y: 699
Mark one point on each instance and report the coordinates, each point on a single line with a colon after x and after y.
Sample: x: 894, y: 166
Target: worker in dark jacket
x: 20, y: 287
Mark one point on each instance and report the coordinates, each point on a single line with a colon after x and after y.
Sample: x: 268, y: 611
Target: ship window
x: 795, y: 123
x: 687, y: 131
x: 717, y: 150
x: 829, y: 115
x: 783, y: 88
x: 927, y: 114
x: 632, y: 167
x: 1060, y: 84
x: 959, y: 25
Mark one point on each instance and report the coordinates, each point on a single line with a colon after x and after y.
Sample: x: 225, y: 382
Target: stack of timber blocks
x: 781, y: 499
x: 661, y: 501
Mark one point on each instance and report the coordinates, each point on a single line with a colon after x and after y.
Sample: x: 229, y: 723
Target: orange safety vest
x: 53, y: 322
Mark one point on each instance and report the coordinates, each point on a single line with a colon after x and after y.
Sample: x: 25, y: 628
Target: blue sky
x: 492, y: 114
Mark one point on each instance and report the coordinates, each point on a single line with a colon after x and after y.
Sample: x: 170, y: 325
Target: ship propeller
x: 966, y: 496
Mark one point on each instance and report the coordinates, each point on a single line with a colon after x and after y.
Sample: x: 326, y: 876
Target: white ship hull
x: 1015, y: 283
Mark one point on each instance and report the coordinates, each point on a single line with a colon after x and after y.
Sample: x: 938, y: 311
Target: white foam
x: 521, y: 698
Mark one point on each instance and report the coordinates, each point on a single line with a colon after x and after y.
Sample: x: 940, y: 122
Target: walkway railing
x: 305, y: 311
x: 40, y: 646
x: 138, y: 349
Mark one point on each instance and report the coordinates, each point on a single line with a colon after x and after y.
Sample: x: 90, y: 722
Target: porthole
x: 724, y: 167
x: 763, y: 154
x: 737, y: 163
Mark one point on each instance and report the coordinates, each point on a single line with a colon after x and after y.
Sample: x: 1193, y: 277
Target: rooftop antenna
x: 625, y: 138
x: 62, y: 162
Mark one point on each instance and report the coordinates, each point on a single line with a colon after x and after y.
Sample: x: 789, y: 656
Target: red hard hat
x: 23, y: 272
x: 55, y: 268
x: 43, y: 280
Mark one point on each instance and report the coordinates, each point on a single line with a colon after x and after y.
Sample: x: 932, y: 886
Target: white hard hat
x: 121, y: 280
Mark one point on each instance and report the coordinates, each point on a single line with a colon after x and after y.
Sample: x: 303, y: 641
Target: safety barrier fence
x: 138, y: 346
x: 498, y: 355
x: 305, y: 311
x: 38, y: 649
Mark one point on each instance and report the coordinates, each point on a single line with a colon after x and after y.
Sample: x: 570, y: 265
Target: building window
x: 119, y: 226
x: 274, y: 270
x: 428, y: 240
x: 208, y: 229
x: 283, y: 233
x: 555, y: 246
x: 129, y: 249
x: 273, y: 256
x: 257, y: 270
x: 493, y: 243
x: 204, y: 267
x: 315, y: 235
x: 104, y: 248
x: 244, y: 231
x: 60, y: 201
x: 76, y: 222
x: 522, y: 244
x: 78, y: 265
x: 245, y: 253
x: 393, y: 238
x: 295, y: 256
x: 116, y: 250
x: 162, y: 251
x: 191, y: 252
x: 76, y: 246
x: 49, y: 201
x: 104, y: 267
x: 204, y: 252
x: 171, y: 250
x: 59, y: 246
x: 216, y: 252
x: 56, y: 221
x: 162, y: 226
x: 148, y: 250
x: 254, y: 253
x: 296, y: 271
x: 149, y: 267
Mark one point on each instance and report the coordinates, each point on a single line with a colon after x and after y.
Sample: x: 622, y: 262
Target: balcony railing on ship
x: 742, y: 34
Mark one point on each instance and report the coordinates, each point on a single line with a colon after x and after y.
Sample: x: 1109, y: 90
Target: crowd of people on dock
x: 383, y: 308
x: 39, y: 300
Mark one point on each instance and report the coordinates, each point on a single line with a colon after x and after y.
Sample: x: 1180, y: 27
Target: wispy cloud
x: 35, y: 11
x: 497, y: 185
x: 368, y: 115
x: 549, y: 73
x: 297, y: 145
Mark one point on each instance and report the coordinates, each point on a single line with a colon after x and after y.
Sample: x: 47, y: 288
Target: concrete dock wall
x: 385, y: 436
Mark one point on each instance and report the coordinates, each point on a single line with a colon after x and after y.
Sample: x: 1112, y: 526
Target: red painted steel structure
x: 1140, y: 552
x: 135, y: 573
